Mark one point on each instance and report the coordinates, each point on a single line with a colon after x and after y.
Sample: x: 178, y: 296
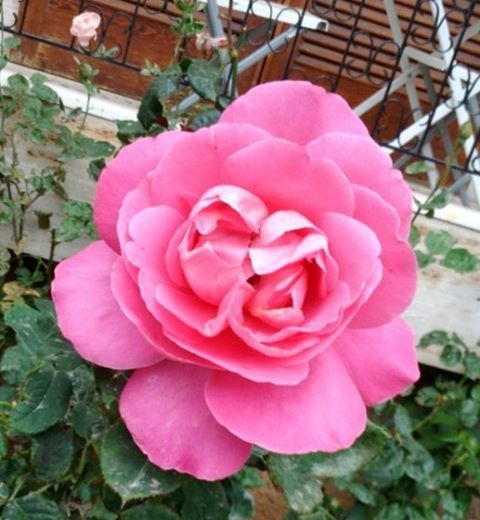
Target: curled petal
x: 122, y: 174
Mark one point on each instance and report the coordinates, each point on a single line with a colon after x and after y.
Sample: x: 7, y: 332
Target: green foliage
x: 43, y: 403
x: 439, y: 247
x: 428, y: 467
x: 299, y: 476
x: 31, y: 112
x: 205, y: 79
x: 78, y: 222
x: 127, y: 471
x: 204, y: 501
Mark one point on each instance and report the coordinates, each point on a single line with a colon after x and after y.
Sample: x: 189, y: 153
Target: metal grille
x: 410, y: 68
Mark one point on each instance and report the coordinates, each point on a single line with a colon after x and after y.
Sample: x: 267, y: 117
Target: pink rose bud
x: 253, y: 275
x: 205, y: 42
x: 84, y: 27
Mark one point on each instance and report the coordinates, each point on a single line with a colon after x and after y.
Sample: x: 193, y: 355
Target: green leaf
x: 392, y: 512
x: 472, y: 365
x: 39, y: 342
x: 414, y: 237
x: 100, y: 512
x: 419, y: 464
x: 78, y: 222
x: 4, y: 493
x: 205, y: 79
x: 206, y: 118
x: 241, y: 501
x: 424, y: 259
x: 435, y: 337
x: 167, y: 82
x: 3, y: 443
x: 386, y: 467
x: 45, y: 402
x: 249, y: 478
x: 418, y: 167
x: 52, y: 452
x: 18, y: 83
x: 164, y: 86
x: 451, y: 355
x: 87, y: 418
x: 361, y: 492
x: 32, y: 508
x: 127, y: 470
x: 427, y: 396
x: 299, y: 475
x: 461, y: 260
x: 42, y: 91
x: 128, y: 131
x: 469, y: 412
x: 16, y: 363
x: 440, y: 200
x: 402, y: 421
x: 149, y: 512
x: 204, y: 501
x: 95, y: 167
x: 439, y: 242
x: 11, y: 43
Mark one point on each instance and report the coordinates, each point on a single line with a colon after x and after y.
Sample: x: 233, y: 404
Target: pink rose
x: 84, y: 27
x: 253, y: 274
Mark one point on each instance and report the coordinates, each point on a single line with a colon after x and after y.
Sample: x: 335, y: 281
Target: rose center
x: 232, y: 240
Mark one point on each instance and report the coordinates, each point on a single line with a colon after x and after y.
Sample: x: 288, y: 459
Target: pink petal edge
x: 164, y: 409
x: 89, y: 315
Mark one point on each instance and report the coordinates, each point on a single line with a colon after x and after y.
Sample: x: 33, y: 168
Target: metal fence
x: 418, y: 63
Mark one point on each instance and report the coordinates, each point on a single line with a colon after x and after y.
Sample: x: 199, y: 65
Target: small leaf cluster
x: 439, y: 247
x: 158, y: 111
x: 428, y: 466
x: 31, y: 112
x: 64, y: 453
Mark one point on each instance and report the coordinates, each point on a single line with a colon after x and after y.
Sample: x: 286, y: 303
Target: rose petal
x: 121, y: 175
x: 225, y: 350
x: 193, y: 165
x: 151, y: 231
x: 90, y: 317
x: 294, y: 110
x: 367, y: 164
x: 285, y: 178
x: 354, y: 247
x: 164, y: 409
x: 381, y: 361
x: 323, y: 413
x: 397, y: 287
x: 128, y: 296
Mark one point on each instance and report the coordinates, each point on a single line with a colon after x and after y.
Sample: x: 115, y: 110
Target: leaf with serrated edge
x: 127, y: 470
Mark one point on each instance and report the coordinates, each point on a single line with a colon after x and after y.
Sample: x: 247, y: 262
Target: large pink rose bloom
x: 253, y: 274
